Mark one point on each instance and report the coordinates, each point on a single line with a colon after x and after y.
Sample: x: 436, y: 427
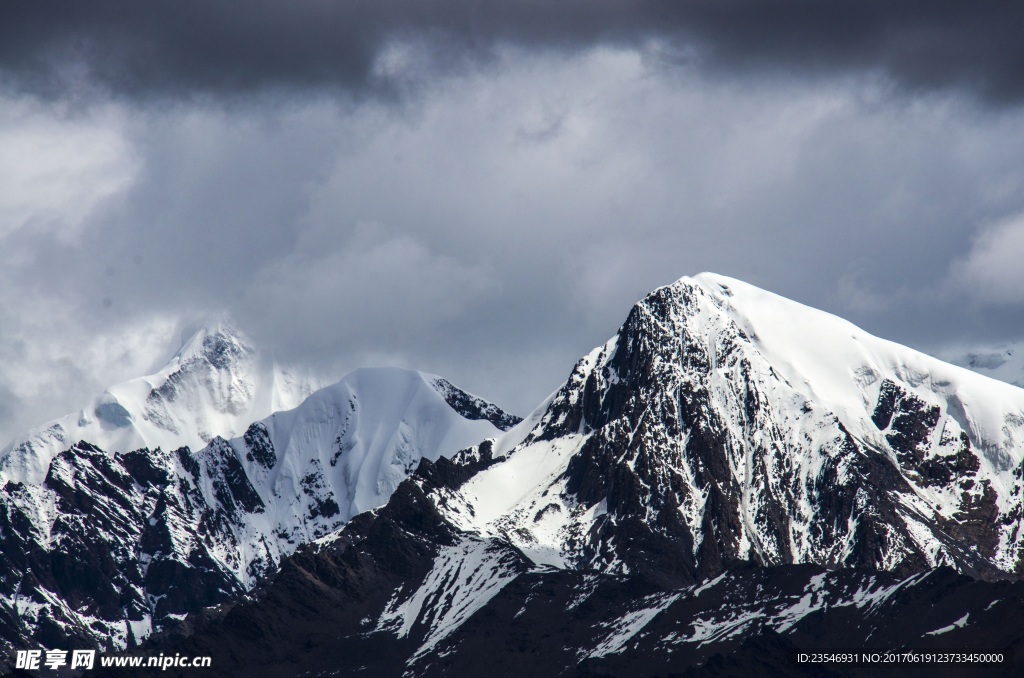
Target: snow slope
x: 348, y: 446
x: 839, y: 366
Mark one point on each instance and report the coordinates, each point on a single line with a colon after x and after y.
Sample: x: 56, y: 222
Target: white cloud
x: 51, y: 368
x: 993, y: 269
x: 55, y: 167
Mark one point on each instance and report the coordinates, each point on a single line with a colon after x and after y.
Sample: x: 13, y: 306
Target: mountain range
x: 731, y: 478
x: 105, y: 541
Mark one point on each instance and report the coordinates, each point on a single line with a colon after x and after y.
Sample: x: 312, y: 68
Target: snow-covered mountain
x: 724, y: 423
x: 216, y: 384
x: 107, y: 546
x: 722, y: 432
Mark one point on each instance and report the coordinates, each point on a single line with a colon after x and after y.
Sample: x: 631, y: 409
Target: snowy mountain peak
x: 219, y: 347
x: 725, y: 424
x: 216, y: 384
x: 353, y: 442
x: 843, y: 368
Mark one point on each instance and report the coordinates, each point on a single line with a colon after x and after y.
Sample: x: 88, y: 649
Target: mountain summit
x: 216, y: 384
x: 723, y: 424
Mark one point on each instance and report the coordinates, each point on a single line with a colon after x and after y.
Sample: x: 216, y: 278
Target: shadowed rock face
x: 474, y: 408
x: 909, y: 423
x: 384, y: 597
x: 116, y: 554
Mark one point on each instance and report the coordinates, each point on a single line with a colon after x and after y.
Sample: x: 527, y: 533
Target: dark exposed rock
x: 114, y: 551
x: 474, y: 408
x: 452, y: 473
x: 888, y: 394
x: 261, y: 448
x: 910, y: 422
x: 230, y: 483
x: 142, y: 468
x: 323, y: 613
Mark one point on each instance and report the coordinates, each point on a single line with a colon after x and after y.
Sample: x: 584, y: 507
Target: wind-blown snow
x: 1004, y: 362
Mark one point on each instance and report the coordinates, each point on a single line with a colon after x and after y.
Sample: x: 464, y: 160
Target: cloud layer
x: 993, y: 269
x: 483, y: 194
x: 195, y: 47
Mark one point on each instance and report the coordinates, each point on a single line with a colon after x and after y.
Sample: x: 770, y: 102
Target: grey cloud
x: 369, y: 288
x: 215, y: 198
x: 502, y: 227
x: 992, y: 272
x: 197, y: 48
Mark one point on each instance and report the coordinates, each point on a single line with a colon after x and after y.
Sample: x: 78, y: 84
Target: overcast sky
x: 482, y: 189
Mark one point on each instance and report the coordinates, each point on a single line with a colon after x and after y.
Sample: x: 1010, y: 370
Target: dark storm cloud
x: 502, y: 225
x: 143, y: 49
